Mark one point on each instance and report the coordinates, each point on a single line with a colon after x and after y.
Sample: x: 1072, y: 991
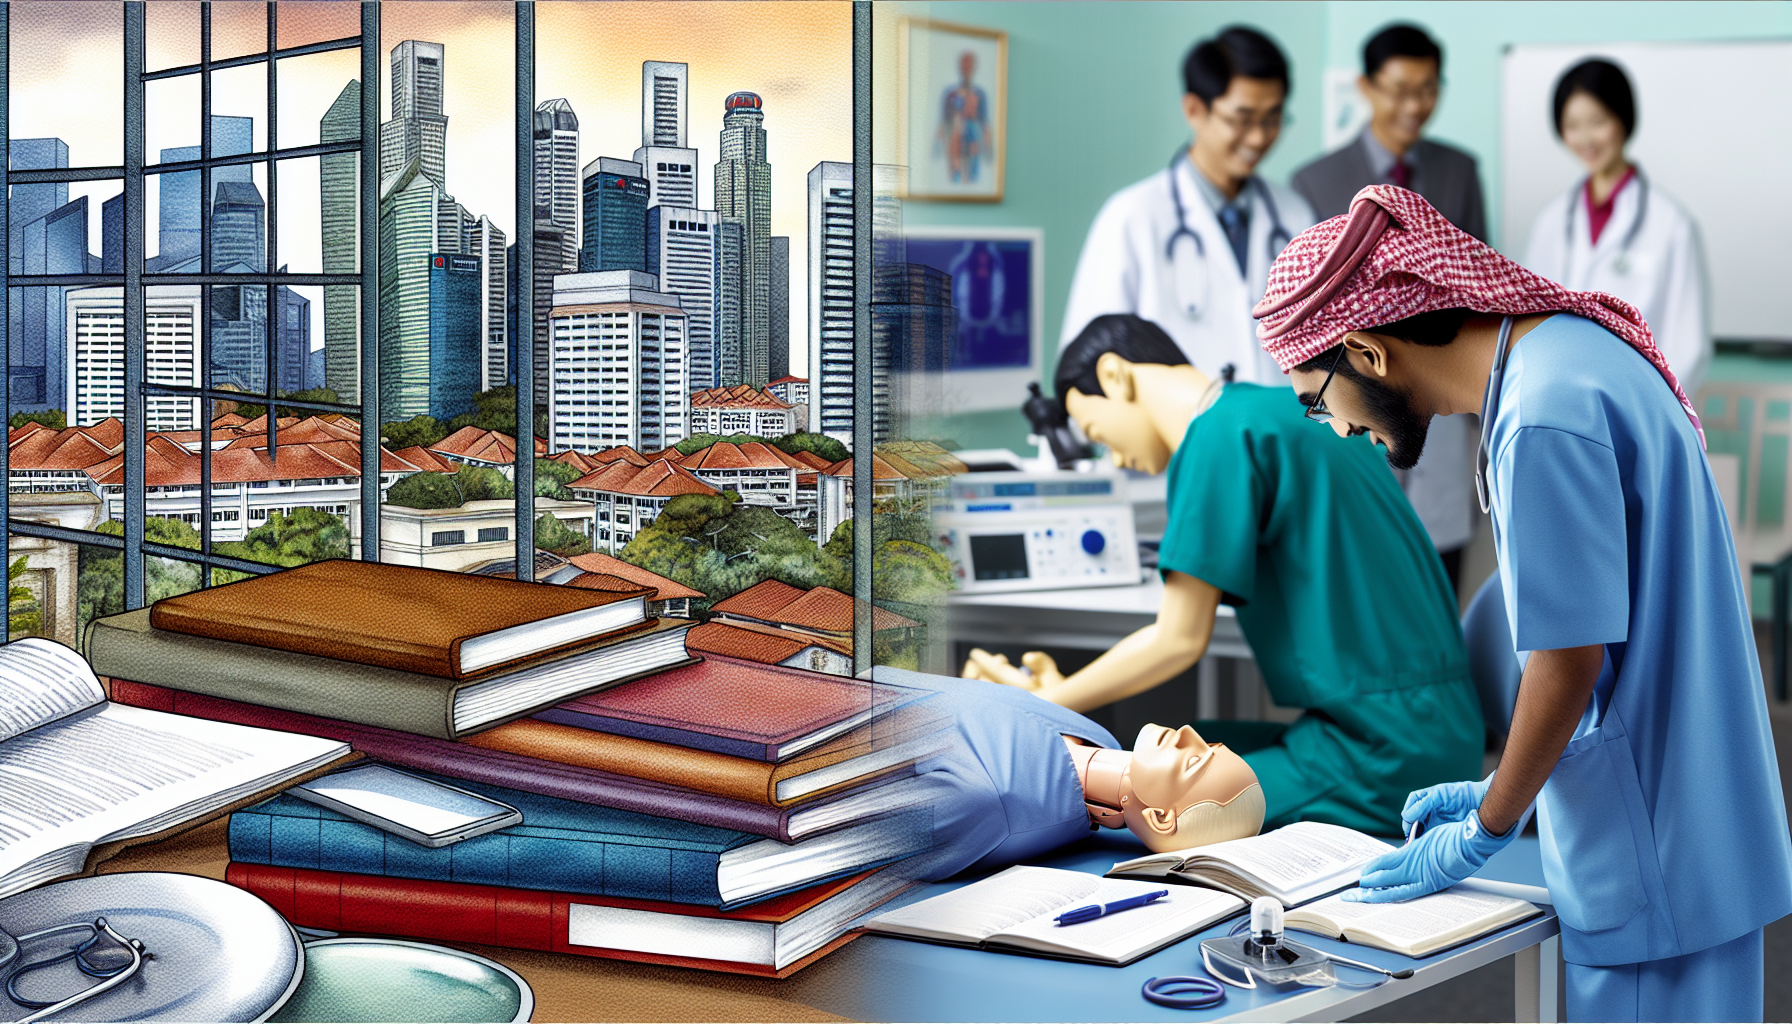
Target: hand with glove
x: 1435, y: 805
x: 1441, y: 856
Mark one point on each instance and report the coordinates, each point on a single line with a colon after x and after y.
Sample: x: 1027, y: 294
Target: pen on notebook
x: 1095, y: 910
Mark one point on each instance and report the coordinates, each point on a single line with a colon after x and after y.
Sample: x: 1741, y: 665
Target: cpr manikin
x: 1174, y: 790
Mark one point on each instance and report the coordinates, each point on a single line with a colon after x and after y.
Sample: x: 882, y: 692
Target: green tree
x: 720, y: 546
x: 698, y: 442
x: 305, y: 536
x: 52, y: 418
x: 553, y: 535
x: 418, y: 430
x: 23, y: 616
x: 554, y: 479
x: 99, y: 589
x: 450, y: 490
x: 905, y: 567
x: 496, y: 410
x: 820, y: 444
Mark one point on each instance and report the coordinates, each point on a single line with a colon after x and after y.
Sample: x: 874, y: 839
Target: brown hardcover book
x: 893, y: 742
x: 447, y: 624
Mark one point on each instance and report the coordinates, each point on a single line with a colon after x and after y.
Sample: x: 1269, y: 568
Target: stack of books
x: 710, y: 813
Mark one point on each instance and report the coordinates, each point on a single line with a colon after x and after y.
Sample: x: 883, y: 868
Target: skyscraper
x: 418, y: 128
x: 412, y: 222
x: 239, y: 312
x: 342, y: 314
x: 830, y: 300
x: 96, y: 355
x: 34, y: 315
x: 913, y: 329
x: 177, y: 221
x: 744, y: 196
x: 494, y: 363
x: 681, y: 252
x: 778, y: 363
x: 29, y: 202
x: 728, y: 303
x: 548, y: 239
x: 615, y: 236
x: 636, y: 392
x: 669, y: 165
x: 557, y: 174
x: 292, y: 342
x: 455, y: 284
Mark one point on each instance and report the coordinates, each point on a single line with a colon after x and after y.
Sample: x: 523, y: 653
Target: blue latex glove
x: 1451, y: 801
x: 1443, y: 855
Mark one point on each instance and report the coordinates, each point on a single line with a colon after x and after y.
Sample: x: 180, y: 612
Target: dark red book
x: 735, y: 707
x: 775, y: 938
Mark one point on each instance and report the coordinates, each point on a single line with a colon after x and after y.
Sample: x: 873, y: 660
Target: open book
x: 77, y: 771
x: 1417, y: 927
x: 1295, y: 863
x: 1016, y: 911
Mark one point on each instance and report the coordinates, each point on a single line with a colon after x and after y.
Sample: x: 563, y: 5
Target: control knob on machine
x: 1094, y: 542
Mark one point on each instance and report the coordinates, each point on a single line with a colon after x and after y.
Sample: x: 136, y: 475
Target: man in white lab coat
x: 1189, y: 248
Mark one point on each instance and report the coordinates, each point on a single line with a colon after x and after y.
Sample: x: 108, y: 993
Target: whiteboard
x: 1714, y: 130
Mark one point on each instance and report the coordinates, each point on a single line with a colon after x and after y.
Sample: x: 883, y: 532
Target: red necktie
x: 1400, y: 174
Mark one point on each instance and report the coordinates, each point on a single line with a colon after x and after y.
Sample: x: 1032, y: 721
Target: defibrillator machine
x: 1039, y: 530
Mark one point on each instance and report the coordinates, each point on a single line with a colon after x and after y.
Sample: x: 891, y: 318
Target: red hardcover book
x: 766, y: 939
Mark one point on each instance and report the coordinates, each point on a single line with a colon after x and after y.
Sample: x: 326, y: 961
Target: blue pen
x: 1095, y: 910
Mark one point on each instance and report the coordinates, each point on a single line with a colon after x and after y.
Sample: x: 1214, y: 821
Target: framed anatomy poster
x: 954, y: 109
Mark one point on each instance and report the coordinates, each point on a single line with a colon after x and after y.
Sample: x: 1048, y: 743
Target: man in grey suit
x: 1402, y: 68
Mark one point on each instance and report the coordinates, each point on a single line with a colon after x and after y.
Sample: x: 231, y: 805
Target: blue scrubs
x: 1663, y: 825
x: 1005, y: 790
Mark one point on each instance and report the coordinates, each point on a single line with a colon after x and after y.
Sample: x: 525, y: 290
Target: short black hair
x: 1132, y: 338
x: 1399, y: 40
x: 1434, y: 329
x: 1236, y: 52
x: 1605, y: 82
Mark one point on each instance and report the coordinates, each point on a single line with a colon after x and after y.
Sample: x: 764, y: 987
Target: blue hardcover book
x: 575, y: 847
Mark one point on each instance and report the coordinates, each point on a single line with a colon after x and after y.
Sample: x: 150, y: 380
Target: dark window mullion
x: 369, y: 291
x: 524, y: 344
x: 6, y: 267
x: 133, y: 299
x: 326, y: 46
x: 205, y: 290
x: 270, y: 295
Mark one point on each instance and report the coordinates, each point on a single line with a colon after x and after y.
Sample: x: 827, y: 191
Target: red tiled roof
x: 479, y: 445
x: 762, y: 600
x: 607, y: 565
x: 751, y: 645
x: 789, y: 380
x: 740, y: 396
x: 751, y: 455
x: 813, y: 460
x: 821, y: 608
x: 71, y: 448
x: 880, y: 470
x: 621, y: 452
x: 577, y: 460
x: 658, y: 479
x: 426, y: 460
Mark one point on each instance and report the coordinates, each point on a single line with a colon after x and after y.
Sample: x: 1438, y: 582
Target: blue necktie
x: 1237, y: 225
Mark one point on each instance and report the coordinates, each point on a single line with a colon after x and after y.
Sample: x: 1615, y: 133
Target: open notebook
x: 1295, y: 863
x: 1015, y: 912
x: 77, y: 771
x: 1416, y: 927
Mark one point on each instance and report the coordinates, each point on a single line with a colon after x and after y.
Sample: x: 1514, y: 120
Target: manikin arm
x: 1552, y: 697
x: 1143, y: 660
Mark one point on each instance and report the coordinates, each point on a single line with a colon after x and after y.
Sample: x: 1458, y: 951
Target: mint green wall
x: 1094, y: 101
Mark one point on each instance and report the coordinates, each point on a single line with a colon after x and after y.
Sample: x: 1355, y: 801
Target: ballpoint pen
x: 1095, y: 910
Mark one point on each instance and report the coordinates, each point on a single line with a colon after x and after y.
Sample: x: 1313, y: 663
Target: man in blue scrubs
x: 1640, y: 727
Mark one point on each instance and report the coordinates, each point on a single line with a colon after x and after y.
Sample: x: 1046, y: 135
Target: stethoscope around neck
x: 1620, y: 263
x: 1191, y: 280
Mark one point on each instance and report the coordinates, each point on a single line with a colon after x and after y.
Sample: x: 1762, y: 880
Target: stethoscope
x: 1191, y: 288
x: 1490, y: 408
x: 1621, y: 264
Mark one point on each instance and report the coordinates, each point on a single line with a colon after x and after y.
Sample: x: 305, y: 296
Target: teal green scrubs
x: 1344, y: 602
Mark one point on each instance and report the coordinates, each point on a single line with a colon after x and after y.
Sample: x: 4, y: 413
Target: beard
x: 1394, y: 419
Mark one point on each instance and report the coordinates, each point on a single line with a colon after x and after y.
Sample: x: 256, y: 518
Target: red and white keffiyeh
x: 1394, y: 256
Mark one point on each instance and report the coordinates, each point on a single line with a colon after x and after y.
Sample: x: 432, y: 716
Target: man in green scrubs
x: 1336, y: 585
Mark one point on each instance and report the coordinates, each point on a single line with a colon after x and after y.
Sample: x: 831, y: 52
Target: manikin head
x: 1174, y: 791
x: 1129, y: 387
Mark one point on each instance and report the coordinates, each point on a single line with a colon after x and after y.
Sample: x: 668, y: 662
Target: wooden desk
x: 576, y: 988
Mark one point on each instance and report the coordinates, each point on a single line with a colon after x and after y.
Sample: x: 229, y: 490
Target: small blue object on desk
x: 1095, y: 910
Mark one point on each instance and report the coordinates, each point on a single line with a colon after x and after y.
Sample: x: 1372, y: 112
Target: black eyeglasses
x: 105, y: 954
x: 1317, y: 412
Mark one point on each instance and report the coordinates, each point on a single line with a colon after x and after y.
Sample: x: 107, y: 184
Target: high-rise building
x: 292, y: 342
x: 52, y: 243
x: 413, y: 214
x: 669, y: 165
x: 494, y: 362
x: 728, y: 303
x: 456, y: 282
x: 112, y: 235
x: 778, y: 359
x: 615, y: 235
x: 418, y: 128
x: 744, y: 195
x: 238, y: 240
x: 548, y: 239
x: 618, y: 364
x: 177, y: 219
x: 342, y: 313
x: 913, y: 329
x: 830, y: 300
x: 96, y: 355
x: 557, y: 173
x: 681, y: 252
x: 238, y: 312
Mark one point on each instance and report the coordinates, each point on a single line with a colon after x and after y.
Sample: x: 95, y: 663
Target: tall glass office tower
x: 177, y: 223
x: 744, y: 196
x: 681, y: 252
x: 615, y: 236
x: 830, y: 300
x: 418, y: 128
x: 342, y: 350
x: 418, y: 221
x: 557, y: 180
x: 41, y: 223
x: 665, y: 160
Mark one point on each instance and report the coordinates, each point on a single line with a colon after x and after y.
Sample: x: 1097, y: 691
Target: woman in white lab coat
x: 1158, y: 249
x: 1616, y: 231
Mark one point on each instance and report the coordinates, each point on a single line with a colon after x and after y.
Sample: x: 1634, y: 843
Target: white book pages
x: 1002, y: 901
x: 41, y: 681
